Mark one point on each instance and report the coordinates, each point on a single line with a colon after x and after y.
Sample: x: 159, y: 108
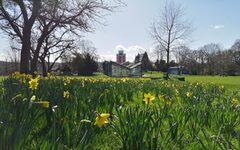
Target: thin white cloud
x: 119, y: 47
x: 217, y: 26
x: 107, y: 57
x: 130, y: 52
x: 135, y: 49
x: 3, y: 57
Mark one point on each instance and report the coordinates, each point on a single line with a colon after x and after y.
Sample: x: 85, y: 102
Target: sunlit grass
x: 116, y: 113
x: 230, y: 82
x: 2, y: 77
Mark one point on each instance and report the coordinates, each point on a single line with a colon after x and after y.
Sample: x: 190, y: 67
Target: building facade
x: 114, y: 69
x: 121, y: 57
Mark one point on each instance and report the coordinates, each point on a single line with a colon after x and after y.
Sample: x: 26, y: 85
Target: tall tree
x: 21, y: 18
x: 182, y: 54
x: 84, y: 63
x: 210, y: 53
x: 17, y: 18
x: 171, y: 29
x: 83, y: 59
x: 53, y: 49
x: 236, y: 51
x: 159, y: 52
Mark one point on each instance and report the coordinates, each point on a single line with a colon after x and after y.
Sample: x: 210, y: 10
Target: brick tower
x: 121, y: 57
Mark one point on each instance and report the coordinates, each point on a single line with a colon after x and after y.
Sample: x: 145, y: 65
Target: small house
x: 178, y: 70
x: 114, y: 69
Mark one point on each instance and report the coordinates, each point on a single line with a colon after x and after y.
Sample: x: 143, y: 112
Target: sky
x: 214, y: 21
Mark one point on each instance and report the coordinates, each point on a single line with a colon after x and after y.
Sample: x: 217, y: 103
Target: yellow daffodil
x: 83, y: 84
x: 102, y: 119
x: 161, y: 98
x: 177, y: 92
x: 66, y: 94
x: 125, y: 79
x: 234, y: 101
x: 188, y: 94
x: 33, y: 98
x: 16, y: 74
x: 93, y: 80
x: 44, y: 104
x: 66, y: 81
x: 169, y: 102
x: 33, y: 84
x: 148, y: 98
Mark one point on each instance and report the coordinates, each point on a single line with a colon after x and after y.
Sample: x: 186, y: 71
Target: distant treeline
x: 209, y: 59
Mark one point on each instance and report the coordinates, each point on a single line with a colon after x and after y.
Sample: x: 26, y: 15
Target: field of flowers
x: 107, y: 113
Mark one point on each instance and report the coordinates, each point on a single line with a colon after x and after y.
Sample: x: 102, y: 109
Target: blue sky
x: 213, y: 21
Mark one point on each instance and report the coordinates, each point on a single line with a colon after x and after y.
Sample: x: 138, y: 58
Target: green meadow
x: 231, y: 83
x: 2, y: 77
x: 118, y: 113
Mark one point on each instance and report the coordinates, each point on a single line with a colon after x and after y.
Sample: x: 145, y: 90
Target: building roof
x: 141, y: 57
x: 127, y: 67
x: 135, y: 65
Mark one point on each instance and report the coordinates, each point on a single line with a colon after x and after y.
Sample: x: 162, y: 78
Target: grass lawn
x: 112, y: 113
x: 230, y: 82
x: 100, y: 112
x: 2, y: 77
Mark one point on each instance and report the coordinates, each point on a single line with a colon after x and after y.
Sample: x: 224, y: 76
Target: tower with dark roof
x: 121, y: 57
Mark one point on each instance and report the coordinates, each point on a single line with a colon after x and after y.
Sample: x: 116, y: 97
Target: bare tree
x: 182, y: 54
x: 87, y: 46
x: 13, y: 57
x: 84, y: 58
x: 201, y: 60
x: 17, y: 21
x: 159, y: 52
x: 171, y: 29
x: 236, y: 50
x: 19, y: 18
x: 210, y: 53
x: 54, y: 47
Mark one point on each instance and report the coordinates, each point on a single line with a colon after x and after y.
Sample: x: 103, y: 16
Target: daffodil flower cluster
x: 102, y: 119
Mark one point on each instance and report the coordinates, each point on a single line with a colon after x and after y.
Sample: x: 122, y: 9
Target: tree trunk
x: 25, y: 51
x: 33, y: 65
x: 168, y: 51
x: 44, y: 69
x: 27, y: 30
x: 167, y: 76
x: 34, y: 61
